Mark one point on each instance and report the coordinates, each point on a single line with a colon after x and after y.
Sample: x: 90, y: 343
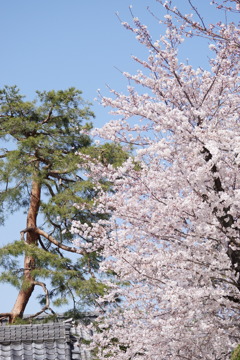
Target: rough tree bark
x: 29, y: 261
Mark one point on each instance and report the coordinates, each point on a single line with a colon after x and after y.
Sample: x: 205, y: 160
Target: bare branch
x: 52, y: 240
x: 5, y: 315
x: 47, y: 305
x: 197, y: 12
x: 42, y: 244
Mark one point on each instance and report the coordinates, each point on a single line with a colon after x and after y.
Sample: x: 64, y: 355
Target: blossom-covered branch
x: 172, y: 240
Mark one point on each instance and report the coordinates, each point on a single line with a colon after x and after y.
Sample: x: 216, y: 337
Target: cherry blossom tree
x: 173, y: 237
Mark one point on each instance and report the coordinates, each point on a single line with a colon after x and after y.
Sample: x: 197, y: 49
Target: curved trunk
x: 29, y: 261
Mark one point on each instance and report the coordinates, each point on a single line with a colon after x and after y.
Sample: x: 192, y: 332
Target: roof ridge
x: 35, y: 332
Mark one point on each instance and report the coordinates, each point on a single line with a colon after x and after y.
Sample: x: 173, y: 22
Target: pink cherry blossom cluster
x: 173, y: 236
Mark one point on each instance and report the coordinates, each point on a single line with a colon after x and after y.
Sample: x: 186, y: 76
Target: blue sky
x: 55, y: 44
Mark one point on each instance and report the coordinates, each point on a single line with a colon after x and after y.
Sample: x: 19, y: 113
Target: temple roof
x: 51, y: 341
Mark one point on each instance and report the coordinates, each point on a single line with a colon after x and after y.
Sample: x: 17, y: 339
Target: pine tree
x: 40, y: 173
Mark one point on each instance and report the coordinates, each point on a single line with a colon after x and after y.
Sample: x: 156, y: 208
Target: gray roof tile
x: 55, y: 341
x: 34, y: 332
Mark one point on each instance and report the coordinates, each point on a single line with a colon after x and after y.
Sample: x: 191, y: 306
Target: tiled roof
x: 52, y: 341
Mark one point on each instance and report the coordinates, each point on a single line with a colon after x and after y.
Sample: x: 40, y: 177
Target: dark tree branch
x: 217, y: 182
x: 49, y: 188
x: 198, y: 15
x: 57, y: 175
x: 48, y: 116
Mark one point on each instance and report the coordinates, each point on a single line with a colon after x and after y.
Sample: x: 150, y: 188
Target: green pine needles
x: 236, y: 353
x: 40, y: 173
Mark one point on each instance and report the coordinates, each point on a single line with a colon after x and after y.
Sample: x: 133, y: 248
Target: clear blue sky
x: 55, y: 44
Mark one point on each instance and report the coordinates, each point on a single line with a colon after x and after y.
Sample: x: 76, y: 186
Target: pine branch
x: 47, y: 305
x: 52, y: 240
x: 5, y: 315
x: 48, y: 116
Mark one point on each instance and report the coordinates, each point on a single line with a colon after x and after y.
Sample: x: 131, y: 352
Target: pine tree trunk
x: 29, y: 261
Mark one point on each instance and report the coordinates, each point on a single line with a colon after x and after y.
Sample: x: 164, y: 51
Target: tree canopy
x: 40, y: 173
x: 173, y: 236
